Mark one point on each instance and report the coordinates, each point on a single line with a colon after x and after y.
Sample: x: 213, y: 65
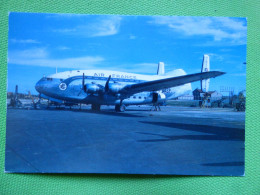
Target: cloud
x: 238, y: 74
x: 132, y: 37
x: 34, y: 53
x: 225, y: 50
x: 233, y: 30
x: 65, y: 30
x: 63, y: 48
x: 141, y: 68
x: 103, y: 26
x: 62, y: 16
x: 40, y: 57
x: 216, y: 57
x: 24, y: 41
x: 106, y: 27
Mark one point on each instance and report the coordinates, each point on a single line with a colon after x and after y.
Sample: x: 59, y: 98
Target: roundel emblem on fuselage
x: 63, y: 86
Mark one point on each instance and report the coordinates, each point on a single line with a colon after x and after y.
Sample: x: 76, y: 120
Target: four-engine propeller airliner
x: 100, y: 87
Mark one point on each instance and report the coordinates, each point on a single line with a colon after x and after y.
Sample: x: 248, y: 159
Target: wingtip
x: 219, y: 73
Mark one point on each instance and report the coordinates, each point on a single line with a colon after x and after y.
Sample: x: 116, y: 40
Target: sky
x: 40, y: 42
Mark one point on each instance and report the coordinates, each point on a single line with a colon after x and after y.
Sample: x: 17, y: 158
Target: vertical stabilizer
x: 205, y: 68
x: 160, y: 70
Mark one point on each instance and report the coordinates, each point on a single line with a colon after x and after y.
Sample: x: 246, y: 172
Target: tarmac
x: 173, y: 141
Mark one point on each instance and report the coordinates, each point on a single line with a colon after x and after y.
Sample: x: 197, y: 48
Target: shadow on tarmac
x: 219, y: 133
x: 225, y: 164
x: 110, y: 112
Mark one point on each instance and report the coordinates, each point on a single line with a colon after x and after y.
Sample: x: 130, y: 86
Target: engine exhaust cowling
x: 93, y: 88
x: 115, y: 87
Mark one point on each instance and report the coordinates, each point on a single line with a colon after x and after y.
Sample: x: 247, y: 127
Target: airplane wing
x: 167, y: 83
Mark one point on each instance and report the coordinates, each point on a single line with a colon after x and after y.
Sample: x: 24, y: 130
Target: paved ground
x: 176, y: 140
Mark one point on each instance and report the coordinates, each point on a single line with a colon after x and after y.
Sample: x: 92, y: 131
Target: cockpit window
x: 49, y: 79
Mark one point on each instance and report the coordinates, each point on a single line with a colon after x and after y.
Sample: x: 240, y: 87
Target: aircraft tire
x: 119, y: 108
x: 122, y: 108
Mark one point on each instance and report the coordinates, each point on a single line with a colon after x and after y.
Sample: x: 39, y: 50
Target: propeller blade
x: 83, y: 83
x: 83, y: 88
x: 106, y: 86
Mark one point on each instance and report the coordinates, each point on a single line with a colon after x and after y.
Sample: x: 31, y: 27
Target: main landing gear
x: 95, y: 107
x: 156, y: 107
x: 120, y: 108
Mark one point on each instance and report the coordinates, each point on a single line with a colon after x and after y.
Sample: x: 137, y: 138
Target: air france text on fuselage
x: 115, y: 76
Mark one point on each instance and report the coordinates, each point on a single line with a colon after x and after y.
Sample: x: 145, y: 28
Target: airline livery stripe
x: 69, y: 80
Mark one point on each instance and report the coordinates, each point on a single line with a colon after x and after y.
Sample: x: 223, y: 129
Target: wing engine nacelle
x: 93, y: 88
x: 115, y: 87
x: 158, y: 97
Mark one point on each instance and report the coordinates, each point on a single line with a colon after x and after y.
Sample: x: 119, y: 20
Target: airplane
x: 102, y: 87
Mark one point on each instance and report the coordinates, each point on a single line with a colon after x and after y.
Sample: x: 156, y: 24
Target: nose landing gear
x: 120, y: 108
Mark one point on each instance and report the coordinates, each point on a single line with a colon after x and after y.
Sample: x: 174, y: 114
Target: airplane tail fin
x: 160, y: 70
x: 205, y: 68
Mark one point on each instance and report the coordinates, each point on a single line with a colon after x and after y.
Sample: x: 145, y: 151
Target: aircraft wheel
x: 122, y: 108
x: 119, y: 108
x: 95, y: 107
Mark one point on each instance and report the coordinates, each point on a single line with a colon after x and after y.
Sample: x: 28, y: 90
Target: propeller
x: 83, y: 85
x: 107, y: 84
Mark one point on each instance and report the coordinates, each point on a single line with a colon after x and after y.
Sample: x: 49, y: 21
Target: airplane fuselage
x: 67, y: 87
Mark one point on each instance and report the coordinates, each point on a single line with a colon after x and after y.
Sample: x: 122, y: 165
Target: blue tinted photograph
x: 114, y: 94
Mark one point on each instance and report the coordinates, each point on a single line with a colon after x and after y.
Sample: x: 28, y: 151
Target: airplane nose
x: 38, y: 86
